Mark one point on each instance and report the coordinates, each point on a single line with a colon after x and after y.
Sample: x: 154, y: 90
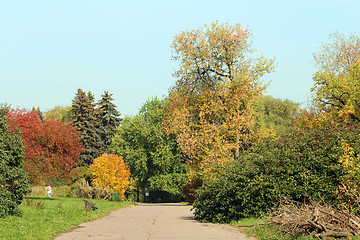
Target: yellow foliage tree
x: 111, y: 170
x: 337, y: 83
x: 217, y: 82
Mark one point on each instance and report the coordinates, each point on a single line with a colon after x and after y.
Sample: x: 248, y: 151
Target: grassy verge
x: 44, y: 217
x: 263, y: 232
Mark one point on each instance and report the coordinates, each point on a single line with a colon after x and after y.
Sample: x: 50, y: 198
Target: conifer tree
x: 108, y: 120
x: 13, y: 181
x: 85, y: 122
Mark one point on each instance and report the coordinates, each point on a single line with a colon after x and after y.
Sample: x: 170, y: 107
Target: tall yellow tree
x: 217, y: 81
x: 110, y: 170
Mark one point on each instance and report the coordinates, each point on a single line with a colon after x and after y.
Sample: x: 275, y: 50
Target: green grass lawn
x: 43, y: 217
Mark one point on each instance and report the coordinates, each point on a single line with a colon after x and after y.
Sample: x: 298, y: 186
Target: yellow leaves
x: 264, y: 133
x: 217, y: 81
x: 348, y: 190
x: 346, y: 112
x: 350, y: 161
x: 347, y: 159
x: 110, y: 170
x: 337, y: 84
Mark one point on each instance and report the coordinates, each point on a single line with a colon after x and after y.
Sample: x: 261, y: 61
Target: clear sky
x: 50, y: 48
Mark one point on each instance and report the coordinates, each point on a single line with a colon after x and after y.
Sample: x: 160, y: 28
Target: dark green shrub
x: 238, y: 191
x: 304, y: 164
x: 301, y: 165
x: 13, y: 181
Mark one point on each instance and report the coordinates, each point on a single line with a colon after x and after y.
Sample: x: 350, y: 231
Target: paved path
x: 152, y: 221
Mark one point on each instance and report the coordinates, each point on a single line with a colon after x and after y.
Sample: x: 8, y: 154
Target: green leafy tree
x: 13, y: 181
x: 275, y: 113
x: 108, y: 119
x: 153, y: 156
x: 85, y: 122
x: 336, y: 83
x: 60, y: 113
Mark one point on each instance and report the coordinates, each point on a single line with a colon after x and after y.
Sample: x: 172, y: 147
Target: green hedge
x: 238, y: 191
x: 302, y: 164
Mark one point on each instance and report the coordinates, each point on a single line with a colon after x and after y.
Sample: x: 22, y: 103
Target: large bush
x: 238, y: 191
x: 13, y: 181
x: 302, y: 165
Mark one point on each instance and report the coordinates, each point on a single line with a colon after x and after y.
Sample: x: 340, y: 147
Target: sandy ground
x: 152, y: 221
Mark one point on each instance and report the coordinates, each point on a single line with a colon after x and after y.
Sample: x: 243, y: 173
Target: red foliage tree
x: 52, y: 148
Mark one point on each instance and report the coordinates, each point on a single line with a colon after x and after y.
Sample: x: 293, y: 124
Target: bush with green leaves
x: 13, y: 181
x: 239, y: 190
x: 304, y: 164
x: 301, y: 165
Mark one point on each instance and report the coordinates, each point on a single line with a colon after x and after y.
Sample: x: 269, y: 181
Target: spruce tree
x: 85, y: 122
x: 108, y: 119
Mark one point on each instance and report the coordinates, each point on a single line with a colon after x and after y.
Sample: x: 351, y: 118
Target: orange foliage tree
x: 217, y: 82
x: 110, y: 170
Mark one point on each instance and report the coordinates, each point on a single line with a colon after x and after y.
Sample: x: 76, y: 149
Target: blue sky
x: 49, y: 49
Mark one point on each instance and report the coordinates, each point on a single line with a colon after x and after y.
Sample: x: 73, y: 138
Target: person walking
x: 48, y: 189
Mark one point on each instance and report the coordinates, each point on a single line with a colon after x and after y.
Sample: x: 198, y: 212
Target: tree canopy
x: 336, y: 83
x: 52, y: 148
x: 84, y: 120
x: 217, y: 81
x: 60, y: 113
x: 95, y: 122
x: 153, y: 156
x: 275, y: 113
x: 108, y: 119
x: 110, y: 170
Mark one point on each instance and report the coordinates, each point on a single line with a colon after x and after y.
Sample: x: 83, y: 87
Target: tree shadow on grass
x: 42, y: 198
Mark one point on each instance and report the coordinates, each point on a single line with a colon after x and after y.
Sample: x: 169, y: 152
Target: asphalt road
x: 152, y: 221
